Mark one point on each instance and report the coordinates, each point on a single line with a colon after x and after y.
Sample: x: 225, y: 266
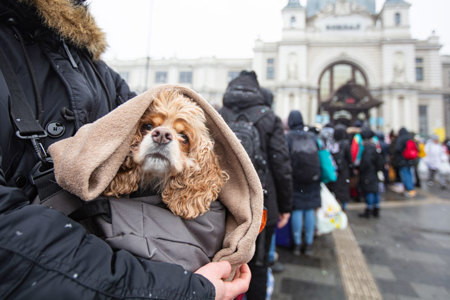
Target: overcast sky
x: 221, y: 28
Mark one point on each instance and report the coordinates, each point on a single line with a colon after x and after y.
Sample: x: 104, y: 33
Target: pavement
x: 404, y: 255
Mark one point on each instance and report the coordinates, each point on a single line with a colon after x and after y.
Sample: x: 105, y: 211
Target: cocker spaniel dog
x: 173, y: 153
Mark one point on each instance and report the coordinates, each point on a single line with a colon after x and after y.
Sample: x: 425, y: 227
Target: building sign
x: 342, y: 114
x: 343, y: 27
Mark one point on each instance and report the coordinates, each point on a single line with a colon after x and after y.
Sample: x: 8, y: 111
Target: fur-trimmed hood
x: 86, y: 163
x: 71, y: 21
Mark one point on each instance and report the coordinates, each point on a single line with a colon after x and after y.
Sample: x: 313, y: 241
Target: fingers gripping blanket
x: 86, y: 163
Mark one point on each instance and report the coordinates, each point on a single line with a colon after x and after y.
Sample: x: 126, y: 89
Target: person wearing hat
x: 371, y: 163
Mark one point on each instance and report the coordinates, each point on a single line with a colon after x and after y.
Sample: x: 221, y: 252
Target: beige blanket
x: 86, y: 163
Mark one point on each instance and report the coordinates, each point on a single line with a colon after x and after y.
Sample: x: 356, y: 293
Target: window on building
x: 232, y: 75
x: 270, y: 70
x: 448, y: 78
x: 325, y: 85
x: 337, y: 75
x: 161, y: 77
x: 419, y: 73
x: 342, y: 74
x: 398, y: 19
x: 423, y: 120
x: 419, y: 69
x: 293, y: 21
x: 185, y: 77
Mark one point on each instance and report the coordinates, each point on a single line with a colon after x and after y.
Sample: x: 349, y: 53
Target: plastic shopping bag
x: 422, y: 170
x: 444, y: 167
x: 330, y: 215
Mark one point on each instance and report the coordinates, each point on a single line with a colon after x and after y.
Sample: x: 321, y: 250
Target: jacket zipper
x: 66, y: 49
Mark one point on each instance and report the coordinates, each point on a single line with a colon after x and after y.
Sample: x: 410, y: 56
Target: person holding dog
x: 52, y: 82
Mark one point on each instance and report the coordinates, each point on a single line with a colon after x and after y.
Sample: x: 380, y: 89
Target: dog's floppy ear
x: 126, y: 180
x: 189, y: 194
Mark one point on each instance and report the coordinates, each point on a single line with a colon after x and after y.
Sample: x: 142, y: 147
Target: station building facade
x: 337, y: 60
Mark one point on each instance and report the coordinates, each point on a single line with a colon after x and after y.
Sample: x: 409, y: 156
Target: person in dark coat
x: 306, y: 195
x: 404, y: 165
x: 51, y: 54
x: 244, y: 95
x: 275, y: 265
x: 343, y: 159
x: 371, y: 163
x: 385, y: 153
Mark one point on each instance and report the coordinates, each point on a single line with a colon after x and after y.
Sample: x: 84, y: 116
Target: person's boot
x: 366, y: 214
x: 308, y: 251
x: 277, y: 267
x: 297, y: 250
x: 376, y: 212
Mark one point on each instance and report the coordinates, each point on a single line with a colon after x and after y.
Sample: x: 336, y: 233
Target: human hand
x: 283, y: 219
x: 217, y: 272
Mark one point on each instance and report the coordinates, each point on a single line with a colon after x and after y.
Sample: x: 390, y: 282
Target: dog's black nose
x: 161, y: 135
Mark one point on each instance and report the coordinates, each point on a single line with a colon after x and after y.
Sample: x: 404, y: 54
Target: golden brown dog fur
x: 195, y: 180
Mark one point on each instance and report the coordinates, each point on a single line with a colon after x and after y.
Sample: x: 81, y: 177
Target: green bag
x: 327, y: 169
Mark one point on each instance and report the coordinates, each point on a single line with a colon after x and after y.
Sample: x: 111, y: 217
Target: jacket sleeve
x: 123, y: 91
x: 117, y: 86
x: 348, y: 156
x: 278, y: 156
x: 46, y: 255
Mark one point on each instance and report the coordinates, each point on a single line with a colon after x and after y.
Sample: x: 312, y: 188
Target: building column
x: 286, y: 104
x: 394, y: 115
x: 414, y: 116
x: 407, y: 113
x: 373, y: 115
x: 385, y: 113
x: 313, y: 109
x: 304, y: 107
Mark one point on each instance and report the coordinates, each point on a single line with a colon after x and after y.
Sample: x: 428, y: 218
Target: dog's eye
x: 147, y: 126
x: 185, y: 138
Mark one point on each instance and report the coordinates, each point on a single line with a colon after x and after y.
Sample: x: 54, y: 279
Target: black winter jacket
x: 244, y: 94
x: 371, y: 162
x: 44, y: 254
x: 343, y: 158
x: 399, y: 147
x: 305, y: 195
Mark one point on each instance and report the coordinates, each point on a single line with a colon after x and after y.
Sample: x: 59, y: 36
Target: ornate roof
x: 396, y: 2
x: 293, y: 4
x: 315, y: 6
x: 351, y: 97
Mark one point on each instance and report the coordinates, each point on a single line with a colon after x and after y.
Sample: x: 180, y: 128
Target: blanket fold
x: 87, y: 162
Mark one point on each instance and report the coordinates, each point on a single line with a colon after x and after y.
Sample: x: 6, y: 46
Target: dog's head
x: 172, y: 151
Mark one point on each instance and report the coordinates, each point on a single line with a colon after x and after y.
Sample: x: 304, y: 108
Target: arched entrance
x: 344, y: 95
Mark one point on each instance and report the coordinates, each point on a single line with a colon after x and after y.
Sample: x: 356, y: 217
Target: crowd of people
x: 56, y: 67
x: 366, y: 163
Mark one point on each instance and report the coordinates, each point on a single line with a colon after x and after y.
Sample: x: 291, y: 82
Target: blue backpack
x: 327, y: 168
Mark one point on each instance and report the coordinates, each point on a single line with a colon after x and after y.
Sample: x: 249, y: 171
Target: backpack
x: 356, y: 149
x: 243, y: 126
x: 327, y: 164
x: 410, y: 151
x: 339, y: 157
x: 304, y: 153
